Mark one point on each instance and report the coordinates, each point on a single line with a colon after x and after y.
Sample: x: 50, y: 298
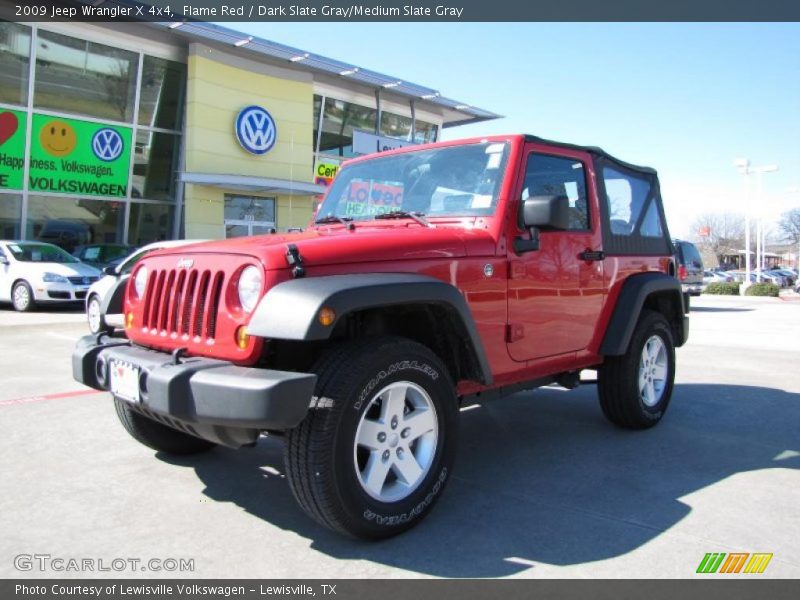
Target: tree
x: 720, y: 234
x: 790, y: 225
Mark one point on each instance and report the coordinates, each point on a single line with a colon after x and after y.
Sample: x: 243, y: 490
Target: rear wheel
x: 22, y: 297
x: 377, y: 446
x: 635, y: 388
x: 157, y: 436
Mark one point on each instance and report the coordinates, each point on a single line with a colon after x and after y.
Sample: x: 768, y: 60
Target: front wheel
x: 22, y: 297
x: 635, y: 388
x: 94, y: 315
x: 377, y: 446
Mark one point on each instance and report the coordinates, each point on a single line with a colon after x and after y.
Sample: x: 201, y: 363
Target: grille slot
x: 183, y: 303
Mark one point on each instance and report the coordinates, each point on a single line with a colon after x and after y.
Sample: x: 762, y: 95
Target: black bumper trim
x: 201, y: 390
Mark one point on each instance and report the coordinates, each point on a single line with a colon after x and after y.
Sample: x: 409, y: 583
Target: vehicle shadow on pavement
x: 541, y: 477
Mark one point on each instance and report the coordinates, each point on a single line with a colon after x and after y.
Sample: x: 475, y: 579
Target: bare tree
x: 720, y: 234
x: 790, y: 225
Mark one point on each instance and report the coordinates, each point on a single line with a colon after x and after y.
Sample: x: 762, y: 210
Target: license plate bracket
x: 124, y: 380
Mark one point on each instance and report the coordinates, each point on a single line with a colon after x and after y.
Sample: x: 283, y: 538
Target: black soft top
x: 591, y: 150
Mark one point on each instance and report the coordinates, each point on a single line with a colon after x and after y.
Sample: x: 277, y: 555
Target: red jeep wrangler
x: 432, y: 277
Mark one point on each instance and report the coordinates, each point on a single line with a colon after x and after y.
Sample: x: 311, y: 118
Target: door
x: 555, y: 293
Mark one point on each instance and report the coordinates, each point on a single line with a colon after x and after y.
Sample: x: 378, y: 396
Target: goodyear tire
x: 157, y: 436
x: 635, y: 388
x: 376, y: 449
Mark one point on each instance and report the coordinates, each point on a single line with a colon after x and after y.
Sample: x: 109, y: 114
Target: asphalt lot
x: 543, y: 487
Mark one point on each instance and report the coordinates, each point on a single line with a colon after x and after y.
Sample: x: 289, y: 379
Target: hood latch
x: 295, y: 261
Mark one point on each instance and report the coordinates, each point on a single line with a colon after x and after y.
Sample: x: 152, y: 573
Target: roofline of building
x: 316, y: 63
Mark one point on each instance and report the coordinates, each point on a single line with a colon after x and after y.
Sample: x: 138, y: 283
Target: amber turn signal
x: 242, y: 337
x: 326, y: 316
x: 129, y: 320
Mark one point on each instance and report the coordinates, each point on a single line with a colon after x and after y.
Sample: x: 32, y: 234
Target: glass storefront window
x: 82, y: 77
x: 150, y: 223
x: 339, y: 121
x: 15, y: 52
x: 161, y: 98
x: 396, y: 126
x: 248, y: 215
x: 317, y: 108
x: 425, y: 132
x: 72, y: 222
x: 155, y: 163
x: 10, y: 209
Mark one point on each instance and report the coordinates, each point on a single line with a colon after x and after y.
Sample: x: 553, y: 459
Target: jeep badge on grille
x: 185, y: 263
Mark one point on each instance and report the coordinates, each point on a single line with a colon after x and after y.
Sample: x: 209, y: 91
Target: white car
x: 34, y: 273
x: 104, y: 301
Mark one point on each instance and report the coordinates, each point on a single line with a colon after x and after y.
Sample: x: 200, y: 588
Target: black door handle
x: 592, y: 255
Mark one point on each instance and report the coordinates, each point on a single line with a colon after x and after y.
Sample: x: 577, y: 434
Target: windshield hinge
x: 295, y: 261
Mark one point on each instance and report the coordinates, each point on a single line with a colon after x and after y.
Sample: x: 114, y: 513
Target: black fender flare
x: 289, y: 310
x: 631, y: 300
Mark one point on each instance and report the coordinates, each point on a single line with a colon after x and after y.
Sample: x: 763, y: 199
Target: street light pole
x: 760, y: 245
x: 743, y: 165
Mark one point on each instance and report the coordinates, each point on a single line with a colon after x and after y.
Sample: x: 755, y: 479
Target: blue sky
x: 684, y: 98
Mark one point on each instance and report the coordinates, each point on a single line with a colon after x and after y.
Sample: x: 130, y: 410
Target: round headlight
x: 140, y: 281
x: 249, y: 288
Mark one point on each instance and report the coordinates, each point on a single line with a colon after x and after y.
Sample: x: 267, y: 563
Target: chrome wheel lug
x: 405, y: 433
x: 381, y: 437
x: 394, y: 422
x: 385, y: 455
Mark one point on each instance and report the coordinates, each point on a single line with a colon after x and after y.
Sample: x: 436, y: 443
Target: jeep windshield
x: 451, y: 181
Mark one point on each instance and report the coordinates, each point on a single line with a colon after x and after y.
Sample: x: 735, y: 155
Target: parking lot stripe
x: 46, y: 397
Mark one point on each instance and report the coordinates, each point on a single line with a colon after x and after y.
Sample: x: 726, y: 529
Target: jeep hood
x: 338, y: 245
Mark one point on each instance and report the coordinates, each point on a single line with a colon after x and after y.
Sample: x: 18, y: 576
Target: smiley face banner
x: 67, y: 156
x: 70, y: 156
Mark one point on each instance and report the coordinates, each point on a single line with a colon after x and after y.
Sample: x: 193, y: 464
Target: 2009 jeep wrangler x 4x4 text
x: 433, y: 276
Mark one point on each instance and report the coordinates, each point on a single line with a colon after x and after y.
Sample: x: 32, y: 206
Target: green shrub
x: 763, y: 289
x: 723, y: 288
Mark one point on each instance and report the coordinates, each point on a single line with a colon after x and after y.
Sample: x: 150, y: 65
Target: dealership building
x: 136, y: 132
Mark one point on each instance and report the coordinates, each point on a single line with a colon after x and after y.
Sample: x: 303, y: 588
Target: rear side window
x: 633, y: 219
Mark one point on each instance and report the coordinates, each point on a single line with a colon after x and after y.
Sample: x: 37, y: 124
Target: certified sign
x: 255, y: 130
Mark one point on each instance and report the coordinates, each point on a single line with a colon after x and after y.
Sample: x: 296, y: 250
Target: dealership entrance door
x: 248, y: 215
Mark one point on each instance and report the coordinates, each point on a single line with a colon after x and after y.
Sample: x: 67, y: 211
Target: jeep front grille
x: 183, y: 303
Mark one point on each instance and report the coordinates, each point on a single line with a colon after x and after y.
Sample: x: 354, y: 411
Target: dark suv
x: 689, y: 267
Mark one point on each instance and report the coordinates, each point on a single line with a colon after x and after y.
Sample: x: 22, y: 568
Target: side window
x: 559, y: 176
x: 626, y: 197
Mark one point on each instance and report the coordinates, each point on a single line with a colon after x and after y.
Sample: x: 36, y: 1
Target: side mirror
x: 546, y: 212
x: 3, y: 260
x: 541, y: 212
x: 110, y: 270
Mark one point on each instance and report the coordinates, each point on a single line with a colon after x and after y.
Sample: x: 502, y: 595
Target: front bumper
x: 212, y: 399
x: 58, y: 292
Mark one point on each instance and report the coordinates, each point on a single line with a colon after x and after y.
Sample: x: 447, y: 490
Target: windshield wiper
x: 419, y: 217
x: 331, y: 218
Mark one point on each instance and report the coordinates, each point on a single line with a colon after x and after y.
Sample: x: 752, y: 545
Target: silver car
x: 34, y: 273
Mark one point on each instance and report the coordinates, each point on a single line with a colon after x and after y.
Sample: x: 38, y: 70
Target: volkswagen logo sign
x: 255, y: 130
x: 107, y: 144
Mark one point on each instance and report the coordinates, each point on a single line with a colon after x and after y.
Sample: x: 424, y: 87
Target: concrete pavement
x: 543, y: 486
